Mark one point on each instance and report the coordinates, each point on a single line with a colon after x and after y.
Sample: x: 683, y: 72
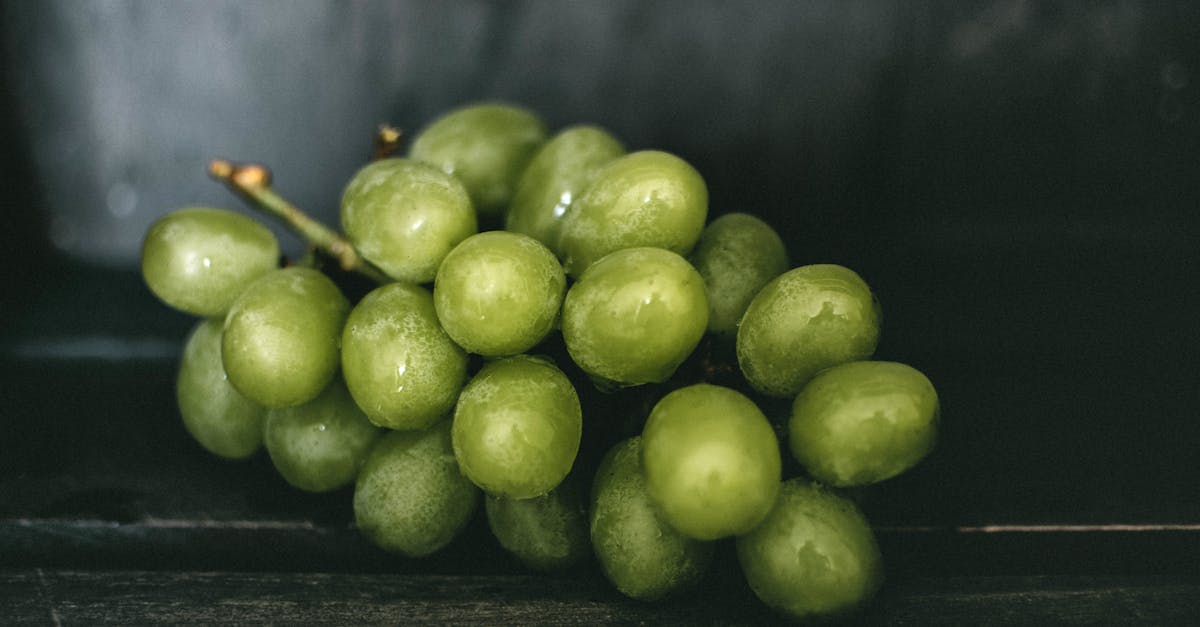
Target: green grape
x: 401, y: 367
x: 484, y: 145
x: 555, y: 177
x: 643, y: 556
x: 199, y: 259
x: 548, y: 532
x: 737, y: 255
x: 803, y: 321
x: 320, y: 445
x: 280, y: 346
x: 405, y: 216
x: 814, y: 557
x: 635, y: 315
x: 647, y: 198
x: 517, y: 427
x: 410, y: 497
x: 711, y: 460
x: 498, y: 293
x: 863, y: 422
x: 222, y: 420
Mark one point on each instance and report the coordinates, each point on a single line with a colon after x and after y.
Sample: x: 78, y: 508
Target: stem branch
x: 253, y: 182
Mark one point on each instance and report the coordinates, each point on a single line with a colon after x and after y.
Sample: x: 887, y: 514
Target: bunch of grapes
x: 594, y: 371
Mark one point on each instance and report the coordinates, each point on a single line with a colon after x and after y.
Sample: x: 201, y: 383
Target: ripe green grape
x: 498, y: 293
x: 737, y: 255
x: 863, y: 422
x: 517, y: 427
x: 805, y: 320
x: 712, y: 461
x: 199, y: 259
x: 548, y: 532
x: 320, y: 445
x: 635, y: 315
x: 558, y: 173
x: 814, y: 557
x: 484, y: 145
x: 280, y: 346
x: 642, y: 555
x: 646, y: 198
x: 400, y: 366
x: 222, y: 420
x: 405, y: 216
x: 410, y: 497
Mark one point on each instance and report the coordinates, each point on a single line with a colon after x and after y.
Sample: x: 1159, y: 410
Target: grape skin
x: 499, y: 293
x: 548, y: 532
x: 639, y: 553
x: 320, y: 445
x: 400, y: 366
x: 280, y: 345
x: 199, y: 259
x: 863, y: 422
x: 410, y: 497
x: 803, y: 321
x: 214, y: 413
x: 711, y: 460
x: 814, y: 557
x: 737, y: 255
x: 405, y: 216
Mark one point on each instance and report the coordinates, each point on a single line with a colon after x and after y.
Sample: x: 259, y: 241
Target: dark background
x: 1018, y: 181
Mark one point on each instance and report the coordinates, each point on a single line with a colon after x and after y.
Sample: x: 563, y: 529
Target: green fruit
x: 486, y: 146
x: 643, y: 556
x: 222, y: 420
x: 548, y: 532
x: 320, y: 445
x: 405, y: 216
x: 803, y: 321
x: 410, y: 497
x: 280, y: 346
x: 737, y: 255
x: 556, y: 176
x: 517, y: 427
x: 647, y: 198
x: 199, y: 259
x: 863, y: 422
x: 498, y: 293
x: 814, y: 557
x: 400, y: 366
x: 711, y: 460
x: 635, y: 315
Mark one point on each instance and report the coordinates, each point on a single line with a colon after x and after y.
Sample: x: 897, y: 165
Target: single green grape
x: 517, y: 427
x: 737, y: 255
x: 803, y: 321
x: 486, y: 146
x: 199, y: 259
x: 712, y: 461
x: 405, y: 216
x: 548, y: 532
x: 862, y: 422
x: 222, y: 420
x: 642, y: 555
x: 814, y: 557
x: 280, y: 346
x: 635, y: 315
x: 410, y: 497
x: 320, y: 445
x: 647, y: 198
x: 400, y: 366
x: 498, y: 293
x: 558, y: 173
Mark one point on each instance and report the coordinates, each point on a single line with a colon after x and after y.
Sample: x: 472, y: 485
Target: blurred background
x: 1018, y: 181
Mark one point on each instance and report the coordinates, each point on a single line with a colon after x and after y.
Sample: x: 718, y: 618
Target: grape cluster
x: 594, y: 372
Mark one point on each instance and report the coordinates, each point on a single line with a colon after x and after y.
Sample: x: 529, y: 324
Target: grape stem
x: 253, y: 182
x: 387, y: 142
